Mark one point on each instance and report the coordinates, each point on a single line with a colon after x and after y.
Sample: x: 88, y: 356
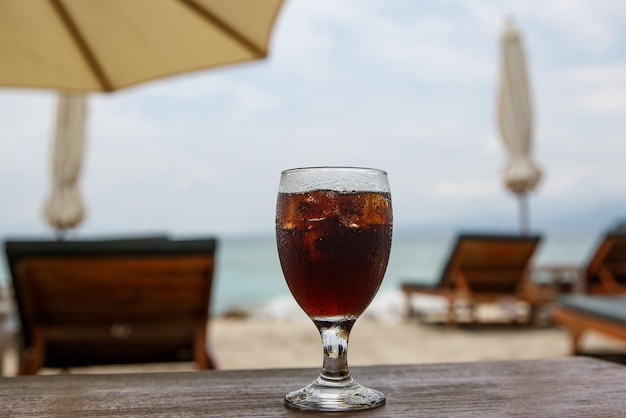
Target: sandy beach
x: 265, y: 344
x: 247, y: 343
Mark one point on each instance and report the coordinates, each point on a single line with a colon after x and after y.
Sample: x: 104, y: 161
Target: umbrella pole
x: 60, y: 234
x: 523, y: 213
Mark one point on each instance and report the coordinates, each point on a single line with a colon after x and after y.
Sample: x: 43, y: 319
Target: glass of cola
x: 333, y: 231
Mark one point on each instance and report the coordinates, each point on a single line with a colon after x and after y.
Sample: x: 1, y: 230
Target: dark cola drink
x: 334, y: 248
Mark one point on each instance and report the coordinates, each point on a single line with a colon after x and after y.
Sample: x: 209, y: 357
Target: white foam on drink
x: 341, y: 179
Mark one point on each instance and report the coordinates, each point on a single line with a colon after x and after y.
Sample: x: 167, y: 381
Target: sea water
x: 248, y: 278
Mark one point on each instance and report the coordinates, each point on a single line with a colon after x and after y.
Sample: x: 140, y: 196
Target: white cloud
x: 456, y: 190
x: 592, y: 26
x: 597, y: 88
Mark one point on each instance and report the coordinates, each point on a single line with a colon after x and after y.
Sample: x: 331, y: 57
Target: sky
x: 406, y: 86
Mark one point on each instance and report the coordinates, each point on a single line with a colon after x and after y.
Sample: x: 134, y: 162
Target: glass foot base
x: 323, y: 395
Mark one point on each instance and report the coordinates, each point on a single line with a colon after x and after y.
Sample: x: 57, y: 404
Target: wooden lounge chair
x: 112, y: 302
x: 584, y: 313
x: 485, y: 269
x: 605, y: 273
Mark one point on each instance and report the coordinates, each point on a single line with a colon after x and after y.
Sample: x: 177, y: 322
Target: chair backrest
x: 490, y: 263
x: 112, y: 302
x: 608, y: 257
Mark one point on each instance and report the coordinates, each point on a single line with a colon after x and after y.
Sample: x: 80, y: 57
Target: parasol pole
x: 523, y: 213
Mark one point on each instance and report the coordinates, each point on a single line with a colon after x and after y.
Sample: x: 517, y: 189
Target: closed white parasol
x: 521, y: 173
x: 64, y: 208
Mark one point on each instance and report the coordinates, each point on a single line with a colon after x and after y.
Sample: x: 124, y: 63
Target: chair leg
x: 30, y: 362
x: 451, y: 312
x: 532, y: 314
x: 203, y: 354
x: 472, y: 311
x: 575, y: 335
x: 32, y: 358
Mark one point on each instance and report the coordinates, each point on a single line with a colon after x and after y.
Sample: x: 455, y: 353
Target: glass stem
x: 335, y: 336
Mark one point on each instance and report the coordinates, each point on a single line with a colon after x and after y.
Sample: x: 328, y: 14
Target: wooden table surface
x: 567, y: 387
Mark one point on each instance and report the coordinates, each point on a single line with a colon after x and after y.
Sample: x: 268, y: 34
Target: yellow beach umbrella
x: 515, y: 120
x: 106, y: 45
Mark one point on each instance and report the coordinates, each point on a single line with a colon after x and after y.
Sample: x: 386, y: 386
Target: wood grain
x: 568, y: 387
